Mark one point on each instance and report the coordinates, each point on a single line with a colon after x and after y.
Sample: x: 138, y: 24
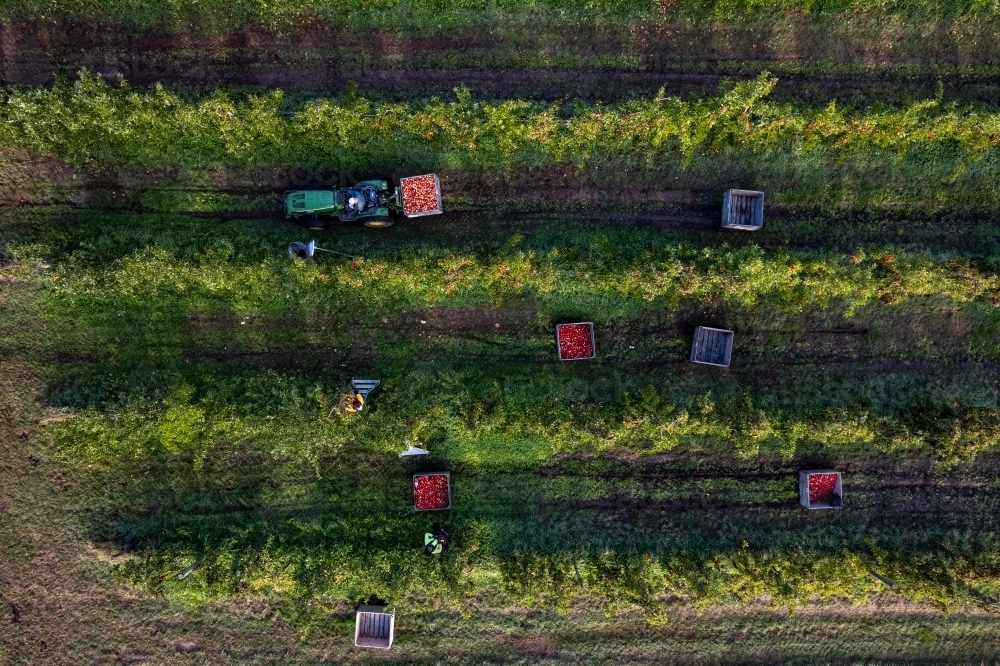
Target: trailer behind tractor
x: 372, y: 202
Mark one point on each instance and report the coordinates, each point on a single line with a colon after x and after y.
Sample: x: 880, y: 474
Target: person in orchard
x: 298, y: 249
x: 435, y: 540
x: 357, y: 403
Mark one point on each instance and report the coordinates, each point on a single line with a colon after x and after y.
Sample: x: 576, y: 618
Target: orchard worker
x: 302, y: 250
x: 357, y: 403
x: 360, y: 388
x: 435, y: 540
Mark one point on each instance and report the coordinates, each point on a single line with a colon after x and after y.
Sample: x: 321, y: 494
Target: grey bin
x: 804, y: 489
x: 593, y: 341
x: 437, y: 210
x: 446, y: 475
x: 712, y: 346
x: 373, y: 627
x: 743, y: 209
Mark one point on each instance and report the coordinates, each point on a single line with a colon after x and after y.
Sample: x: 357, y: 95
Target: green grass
x: 204, y: 369
x: 191, y: 376
x: 926, y: 153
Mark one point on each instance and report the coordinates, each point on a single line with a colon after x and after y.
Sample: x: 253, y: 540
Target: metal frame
x: 364, y: 386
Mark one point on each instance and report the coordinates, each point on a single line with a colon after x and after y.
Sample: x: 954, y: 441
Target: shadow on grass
x: 207, y: 379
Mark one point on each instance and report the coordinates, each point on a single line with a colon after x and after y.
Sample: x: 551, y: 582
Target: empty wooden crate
x: 712, y: 346
x: 373, y: 627
x: 743, y: 209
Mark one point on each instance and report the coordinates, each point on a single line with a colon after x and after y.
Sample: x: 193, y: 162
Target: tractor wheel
x: 379, y: 222
x: 316, y: 224
x: 299, y: 176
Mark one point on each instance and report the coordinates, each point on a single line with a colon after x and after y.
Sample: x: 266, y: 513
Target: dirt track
x: 812, y: 60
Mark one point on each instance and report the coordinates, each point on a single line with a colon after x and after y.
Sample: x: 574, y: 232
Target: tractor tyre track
x: 544, y: 63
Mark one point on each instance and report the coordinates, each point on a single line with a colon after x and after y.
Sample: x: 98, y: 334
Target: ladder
x: 363, y: 387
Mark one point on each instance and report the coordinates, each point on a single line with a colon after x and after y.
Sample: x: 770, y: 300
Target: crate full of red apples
x: 576, y: 341
x: 432, y: 491
x: 421, y: 195
x: 820, y: 489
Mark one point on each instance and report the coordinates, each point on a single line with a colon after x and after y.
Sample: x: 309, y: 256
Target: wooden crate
x: 712, y: 346
x: 743, y: 209
x: 373, y: 627
x: 804, y: 489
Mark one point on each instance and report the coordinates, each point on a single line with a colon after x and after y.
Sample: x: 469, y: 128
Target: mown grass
x: 204, y: 370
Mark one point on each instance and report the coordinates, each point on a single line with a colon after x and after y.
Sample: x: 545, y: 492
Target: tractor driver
x: 355, y: 203
x: 435, y: 540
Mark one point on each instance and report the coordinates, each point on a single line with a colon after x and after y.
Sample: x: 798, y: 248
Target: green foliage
x: 181, y: 424
x: 927, y: 151
x: 168, y: 291
x: 954, y: 431
x: 176, y: 265
x: 347, y: 537
x: 192, y: 347
x: 206, y: 349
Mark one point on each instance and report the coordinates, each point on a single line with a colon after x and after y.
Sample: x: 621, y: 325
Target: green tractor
x: 371, y: 202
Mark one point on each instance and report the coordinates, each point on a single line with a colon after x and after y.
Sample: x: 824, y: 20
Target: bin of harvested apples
x: 421, y: 195
x: 821, y: 489
x: 432, y: 491
x: 575, y: 342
